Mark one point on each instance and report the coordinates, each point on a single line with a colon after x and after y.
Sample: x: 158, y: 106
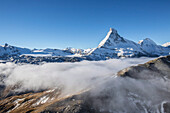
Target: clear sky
x: 81, y: 23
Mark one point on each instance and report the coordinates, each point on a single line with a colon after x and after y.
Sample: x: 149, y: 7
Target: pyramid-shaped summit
x: 112, y: 39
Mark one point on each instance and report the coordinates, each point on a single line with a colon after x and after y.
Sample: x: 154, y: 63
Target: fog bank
x: 72, y: 76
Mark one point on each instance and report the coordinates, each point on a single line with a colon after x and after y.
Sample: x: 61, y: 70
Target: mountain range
x: 112, y: 46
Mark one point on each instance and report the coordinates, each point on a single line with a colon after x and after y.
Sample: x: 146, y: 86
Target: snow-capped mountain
x: 152, y: 48
x: 50, y: 52
x: 70, y: 52
x: 8, y: 50
x: 79, y: 51
x: 166, y: 44
x: 114, y: 46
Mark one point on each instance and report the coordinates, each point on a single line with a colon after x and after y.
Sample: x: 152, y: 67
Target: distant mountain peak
x: 146, y: 41
x: 112, y: 38
x: 166, y: 44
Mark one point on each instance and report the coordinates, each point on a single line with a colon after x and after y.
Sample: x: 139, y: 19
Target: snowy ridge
x: 8, y: 50
x: 51, y: 52
x: 79, y: 51
x: 70, y: 52
x: 151, y: 47
x: 166, y: 44
x: 107, y: 37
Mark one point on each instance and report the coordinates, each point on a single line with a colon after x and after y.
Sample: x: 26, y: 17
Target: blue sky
x: 81, y: 23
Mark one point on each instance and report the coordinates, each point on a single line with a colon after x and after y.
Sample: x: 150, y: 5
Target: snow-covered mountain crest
x: 150, y: 46
x: 8, y: 50
x: 112, y: 39
x: 147, y: 42
x: 166, y: 44
x: 114, y: 46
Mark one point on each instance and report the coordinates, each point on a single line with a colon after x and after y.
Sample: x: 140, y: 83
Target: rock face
x: 137, y: 89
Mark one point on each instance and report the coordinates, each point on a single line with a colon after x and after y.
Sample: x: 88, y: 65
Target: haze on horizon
x: 81, y: 24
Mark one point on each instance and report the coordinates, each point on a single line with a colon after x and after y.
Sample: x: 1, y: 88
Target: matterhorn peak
x: 113, y: 30
x: 112, y: 39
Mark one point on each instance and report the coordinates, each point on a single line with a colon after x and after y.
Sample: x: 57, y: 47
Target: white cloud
x: 73, y: 76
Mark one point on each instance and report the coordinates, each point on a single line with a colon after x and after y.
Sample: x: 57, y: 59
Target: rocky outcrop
x: 159, y: 67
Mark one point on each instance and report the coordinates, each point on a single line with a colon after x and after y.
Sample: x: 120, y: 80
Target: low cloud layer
x: 73, y: 76
x: 121, y: 94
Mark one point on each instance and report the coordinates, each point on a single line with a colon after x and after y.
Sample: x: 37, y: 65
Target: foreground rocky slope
x: 137, y: 89
x: 156, y: 68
